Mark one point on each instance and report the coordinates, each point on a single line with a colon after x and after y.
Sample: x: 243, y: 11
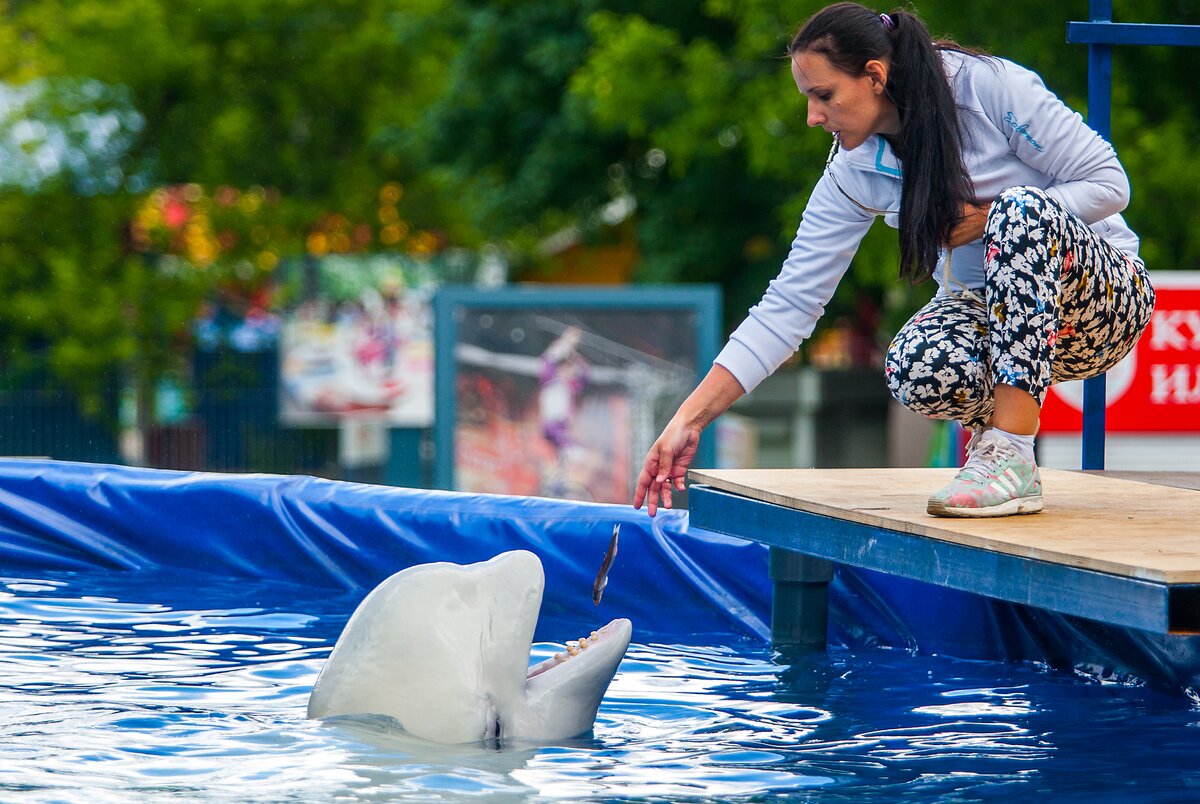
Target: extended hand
x: 668, y: 460
x: 666, y: 465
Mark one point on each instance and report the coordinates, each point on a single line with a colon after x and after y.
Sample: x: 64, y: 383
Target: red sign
x: 1157, y: 387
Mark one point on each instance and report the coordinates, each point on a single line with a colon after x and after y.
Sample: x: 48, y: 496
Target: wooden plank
x: 1182, y: 480
x: 1105, y: 524
x: 1113, y: 599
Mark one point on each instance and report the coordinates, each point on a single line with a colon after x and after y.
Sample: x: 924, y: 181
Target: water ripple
x: 137, y: 688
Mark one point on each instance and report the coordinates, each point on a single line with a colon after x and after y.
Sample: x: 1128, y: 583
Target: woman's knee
x: 1017, y: 204
x: 910, y: 368
x: 935, y: 379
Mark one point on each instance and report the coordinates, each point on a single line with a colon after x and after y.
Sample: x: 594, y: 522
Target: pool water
x: 144, y: 686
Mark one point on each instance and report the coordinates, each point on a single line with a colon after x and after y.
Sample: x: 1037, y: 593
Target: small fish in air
x: 602, y: 575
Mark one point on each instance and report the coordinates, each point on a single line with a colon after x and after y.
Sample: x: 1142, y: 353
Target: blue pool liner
x: 672, y: 581
x: 58, y: 516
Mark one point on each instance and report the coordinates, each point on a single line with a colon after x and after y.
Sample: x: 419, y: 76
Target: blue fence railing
x: 46, y: 422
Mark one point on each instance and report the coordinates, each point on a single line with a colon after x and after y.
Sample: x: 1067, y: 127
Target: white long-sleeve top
x: 1016, y: 133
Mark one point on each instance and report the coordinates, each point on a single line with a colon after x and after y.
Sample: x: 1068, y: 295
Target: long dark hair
x: 936, y: 184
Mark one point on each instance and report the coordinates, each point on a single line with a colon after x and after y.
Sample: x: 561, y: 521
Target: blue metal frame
x: 1114, y: 599
x: 1100, y: 34
x: 1103, y: 32
x: 702, y: 300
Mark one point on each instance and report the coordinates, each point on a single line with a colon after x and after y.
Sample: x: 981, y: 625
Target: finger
x: 645, y: 479
x: 648, y: 492
x: 642, y: 487
x: 681, y: 460
x: 665, y: 461
x: 678, y: 477
x: 662, y: 492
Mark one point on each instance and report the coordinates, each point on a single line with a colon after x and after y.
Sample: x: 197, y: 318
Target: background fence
x: 232, y: 426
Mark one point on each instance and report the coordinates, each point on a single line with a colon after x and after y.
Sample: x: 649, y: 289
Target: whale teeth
x: 574, y: 648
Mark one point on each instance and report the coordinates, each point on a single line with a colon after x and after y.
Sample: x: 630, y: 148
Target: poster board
x: 559, y: 392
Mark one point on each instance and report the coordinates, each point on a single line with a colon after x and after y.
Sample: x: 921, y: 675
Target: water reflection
x: 136, y: 685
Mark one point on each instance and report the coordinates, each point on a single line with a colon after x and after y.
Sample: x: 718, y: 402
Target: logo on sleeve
x: 1023, y: 130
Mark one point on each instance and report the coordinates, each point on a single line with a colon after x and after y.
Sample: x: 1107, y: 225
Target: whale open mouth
x: 617, y: 629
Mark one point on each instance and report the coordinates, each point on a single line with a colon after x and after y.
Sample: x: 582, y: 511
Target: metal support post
x: 800, y: 599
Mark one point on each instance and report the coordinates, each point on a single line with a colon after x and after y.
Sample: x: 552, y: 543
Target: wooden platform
x: 1112, y: 548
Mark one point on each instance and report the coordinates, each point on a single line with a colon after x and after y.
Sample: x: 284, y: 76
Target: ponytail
x: 936, y: 184
x: 935, y: 181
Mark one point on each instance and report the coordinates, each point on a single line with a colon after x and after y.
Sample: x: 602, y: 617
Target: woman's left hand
x: 970, y: 227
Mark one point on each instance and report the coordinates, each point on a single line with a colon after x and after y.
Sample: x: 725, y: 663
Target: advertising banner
x: 559, y: 392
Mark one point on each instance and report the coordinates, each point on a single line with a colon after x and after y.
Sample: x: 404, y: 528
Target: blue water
x: 145, y: 686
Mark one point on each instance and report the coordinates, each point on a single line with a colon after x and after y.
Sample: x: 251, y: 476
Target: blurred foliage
x: 688, y: 106
x: 170, y: 150
x: 163, y: 152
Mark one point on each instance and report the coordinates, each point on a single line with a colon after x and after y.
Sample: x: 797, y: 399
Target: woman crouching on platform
x: 1001, y: 194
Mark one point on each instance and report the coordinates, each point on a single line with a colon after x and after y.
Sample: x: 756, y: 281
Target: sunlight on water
x: 129, y: 687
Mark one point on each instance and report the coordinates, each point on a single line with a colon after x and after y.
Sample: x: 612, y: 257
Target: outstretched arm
x: 832, y: 227
x: 668, y: 460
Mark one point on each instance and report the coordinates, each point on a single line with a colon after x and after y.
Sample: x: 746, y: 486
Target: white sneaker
x: 996, y: 480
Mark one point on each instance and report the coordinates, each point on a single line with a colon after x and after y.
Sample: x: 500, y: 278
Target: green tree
x: 290, y: 96
x: 526, y: 131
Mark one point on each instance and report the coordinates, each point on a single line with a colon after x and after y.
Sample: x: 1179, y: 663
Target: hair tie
x: 888, y: 22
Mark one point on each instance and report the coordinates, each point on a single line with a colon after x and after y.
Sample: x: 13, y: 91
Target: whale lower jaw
x: 576, y: 647
x: 563, y: 695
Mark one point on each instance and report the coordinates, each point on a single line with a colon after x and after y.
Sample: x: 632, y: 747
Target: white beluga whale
x: 443, y: 649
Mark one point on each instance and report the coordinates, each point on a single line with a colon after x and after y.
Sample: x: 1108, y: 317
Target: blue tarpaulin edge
x: 669, y: 579
x: 61, y: 516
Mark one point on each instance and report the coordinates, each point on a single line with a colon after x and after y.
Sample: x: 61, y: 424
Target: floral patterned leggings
x: 1059, y: 304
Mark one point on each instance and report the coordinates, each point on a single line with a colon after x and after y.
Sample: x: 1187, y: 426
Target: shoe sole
x: 1021, y: 505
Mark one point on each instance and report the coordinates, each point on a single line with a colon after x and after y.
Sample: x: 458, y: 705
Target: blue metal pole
x: 1100, y: 119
